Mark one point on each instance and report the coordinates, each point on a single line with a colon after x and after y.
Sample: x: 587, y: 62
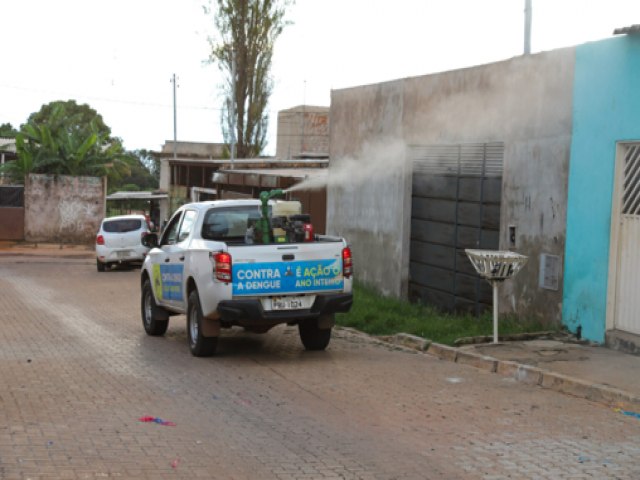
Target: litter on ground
x: 158, y: 420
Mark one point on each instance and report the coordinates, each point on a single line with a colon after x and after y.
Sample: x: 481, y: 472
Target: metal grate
x: 631, y: 186
x: 473, y: 159
x: 11, y: 196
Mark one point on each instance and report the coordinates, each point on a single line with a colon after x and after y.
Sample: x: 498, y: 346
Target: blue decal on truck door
x: 287, y: 277
x: 167, y: 281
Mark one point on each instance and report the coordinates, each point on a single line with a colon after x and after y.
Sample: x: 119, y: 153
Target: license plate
x: 287, y: 303
x: 123, y: 254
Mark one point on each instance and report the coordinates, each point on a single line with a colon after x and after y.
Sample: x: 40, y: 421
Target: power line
x: 107, y: 99
x: 116, y: 100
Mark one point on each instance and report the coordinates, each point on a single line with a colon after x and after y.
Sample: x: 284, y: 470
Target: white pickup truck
x: 218, y: 264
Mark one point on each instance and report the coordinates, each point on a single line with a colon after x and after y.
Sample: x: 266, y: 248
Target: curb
x: 527, y: 374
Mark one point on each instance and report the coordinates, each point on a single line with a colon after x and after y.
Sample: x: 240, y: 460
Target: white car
x: 119, y: 241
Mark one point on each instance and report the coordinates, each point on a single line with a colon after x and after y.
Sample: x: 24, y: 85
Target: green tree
x: 247, y: 32
x: 151, y: 161
x: 65, y: 138
x: 78, y: 119
x: 141, y: 176
x: 7, y: 131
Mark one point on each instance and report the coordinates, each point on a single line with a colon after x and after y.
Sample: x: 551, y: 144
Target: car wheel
x: 199, y: 345
x: 100, y: 265
x: 313, y: 337
x: 154, y: 319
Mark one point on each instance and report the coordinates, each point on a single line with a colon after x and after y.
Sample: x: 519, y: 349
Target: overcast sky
x: 119, y: 55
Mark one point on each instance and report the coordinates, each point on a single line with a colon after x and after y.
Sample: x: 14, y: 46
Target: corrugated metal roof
x: 281, y: 172
x: 251, y: 161
x: 137, y: 196
x: 627, y: 30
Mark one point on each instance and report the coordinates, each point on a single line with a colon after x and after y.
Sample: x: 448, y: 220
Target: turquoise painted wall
x: 606, y: 110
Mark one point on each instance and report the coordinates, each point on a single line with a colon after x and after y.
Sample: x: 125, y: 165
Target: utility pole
x: 304, y: 100
x: 175, y: 123
x: 527, y: 26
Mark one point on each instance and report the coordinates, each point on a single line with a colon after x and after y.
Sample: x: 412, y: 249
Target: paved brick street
x: 77, y: 372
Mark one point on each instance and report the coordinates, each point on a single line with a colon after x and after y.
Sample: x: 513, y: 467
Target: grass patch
x: 376, y: 314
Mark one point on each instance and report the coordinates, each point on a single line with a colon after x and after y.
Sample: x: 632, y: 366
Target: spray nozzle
x: 267, y: 195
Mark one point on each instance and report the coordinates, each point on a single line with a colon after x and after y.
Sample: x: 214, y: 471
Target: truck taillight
x: 99, y: 240
x: 347, y: 262
x: 308, y: 232
x: 222, y: 266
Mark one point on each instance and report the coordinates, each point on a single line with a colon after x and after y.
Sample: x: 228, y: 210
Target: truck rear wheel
x: 313, y: 337
x: 154, y: 319
x: 199, y: 345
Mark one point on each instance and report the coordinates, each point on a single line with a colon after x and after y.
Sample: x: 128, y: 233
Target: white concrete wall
x: 525, y: 102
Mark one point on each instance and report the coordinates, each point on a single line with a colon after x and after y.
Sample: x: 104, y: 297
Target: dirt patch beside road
x: 8, y: 247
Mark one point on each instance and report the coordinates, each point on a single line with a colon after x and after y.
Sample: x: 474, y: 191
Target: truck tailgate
x: 287, y: 269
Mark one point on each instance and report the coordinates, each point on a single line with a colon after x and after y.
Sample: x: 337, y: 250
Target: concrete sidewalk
x: 597, y: 373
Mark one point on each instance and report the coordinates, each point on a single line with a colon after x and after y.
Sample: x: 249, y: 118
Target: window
x: 170, y: 234
x: 229, y: 223
x: 631, y: 187
x: 187, y: 225
x: 122, y: 226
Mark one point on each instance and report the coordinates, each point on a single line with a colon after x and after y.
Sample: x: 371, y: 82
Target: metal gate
x: 627, y: 273
x: 11, y: 212
x: 456, y: 194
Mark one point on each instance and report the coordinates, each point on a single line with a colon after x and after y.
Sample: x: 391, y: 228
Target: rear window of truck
x: 229, y: 223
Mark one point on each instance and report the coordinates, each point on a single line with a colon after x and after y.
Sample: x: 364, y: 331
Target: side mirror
x: 150, y: 240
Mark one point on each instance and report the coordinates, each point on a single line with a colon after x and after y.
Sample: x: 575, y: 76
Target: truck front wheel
x: 199, y: 345
x: 154, y: 319
x: 313, y: 337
